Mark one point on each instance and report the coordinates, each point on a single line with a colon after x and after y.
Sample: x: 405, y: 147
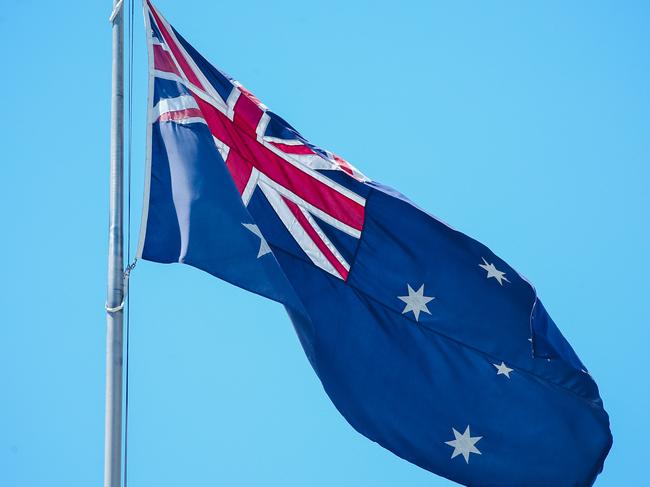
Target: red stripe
x: 247, y: 113
x: 182, y: 62
x: 242, y: 141
x: 250, y: 95
x: 180, y: 114
x: 239, y: 169
x: 322, y: 246
x: 293, y: 149
x: 163, y: 61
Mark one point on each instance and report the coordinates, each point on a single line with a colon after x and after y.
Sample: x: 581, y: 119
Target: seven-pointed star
x: 493, y: 272
x: 264, y: 247
x: 416, y: 301
x: 464, y: 444
x: 503, y: 369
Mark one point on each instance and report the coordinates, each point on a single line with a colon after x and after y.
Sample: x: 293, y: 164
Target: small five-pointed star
x: 464, y: 444
x: 503, y: 369
x: 493, y: 272
x: 264, y: 247
x: 416, y: 301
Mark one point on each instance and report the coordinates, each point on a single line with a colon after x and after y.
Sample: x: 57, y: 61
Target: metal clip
x: 125, y: 277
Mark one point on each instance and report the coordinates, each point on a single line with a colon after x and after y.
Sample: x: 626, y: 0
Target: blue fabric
x: 401, y: 383
x: 412, y: 385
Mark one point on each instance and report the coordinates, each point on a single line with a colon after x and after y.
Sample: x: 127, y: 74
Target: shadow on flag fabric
x: 426, y: 341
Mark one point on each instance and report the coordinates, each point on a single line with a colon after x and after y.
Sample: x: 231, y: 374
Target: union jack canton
x: 261, y: 150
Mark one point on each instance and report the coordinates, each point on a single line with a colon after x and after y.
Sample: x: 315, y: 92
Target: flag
x: 426, y: 341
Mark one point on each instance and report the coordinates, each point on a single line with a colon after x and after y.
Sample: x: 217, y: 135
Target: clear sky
x: 524, y: 124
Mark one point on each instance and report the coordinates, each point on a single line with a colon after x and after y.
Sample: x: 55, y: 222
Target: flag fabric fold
x: 426, y: 341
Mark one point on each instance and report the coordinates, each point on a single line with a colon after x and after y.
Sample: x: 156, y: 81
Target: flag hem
x: 147, y: 176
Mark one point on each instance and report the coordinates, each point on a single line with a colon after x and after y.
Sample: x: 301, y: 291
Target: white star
x: 464, y: 444
x: 493, y: 272
x: 503, y: 369
x: 416, y: 301
x: 264, y: 247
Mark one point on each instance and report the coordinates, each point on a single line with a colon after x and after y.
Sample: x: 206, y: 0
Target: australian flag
x: 426, y: 341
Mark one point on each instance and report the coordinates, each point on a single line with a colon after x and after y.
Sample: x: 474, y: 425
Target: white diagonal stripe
x: 278, y: 140
x: 324, y: 238
x: 231, y: 102
x: 262, y: 124
x: 296, y: 230
x: 290, y: 195
x: 247, y: 194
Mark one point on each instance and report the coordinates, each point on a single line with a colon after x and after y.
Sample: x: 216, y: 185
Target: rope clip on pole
x: 125, y: 276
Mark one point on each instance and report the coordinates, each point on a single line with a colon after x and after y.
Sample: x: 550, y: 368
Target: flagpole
x: 115, y: 291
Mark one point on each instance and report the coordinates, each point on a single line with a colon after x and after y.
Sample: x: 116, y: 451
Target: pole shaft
x: 115, y: 293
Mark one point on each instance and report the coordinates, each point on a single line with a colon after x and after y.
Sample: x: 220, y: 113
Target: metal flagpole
x: 115, y: 293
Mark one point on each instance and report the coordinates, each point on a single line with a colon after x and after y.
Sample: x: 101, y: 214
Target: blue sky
x: 524, y: 124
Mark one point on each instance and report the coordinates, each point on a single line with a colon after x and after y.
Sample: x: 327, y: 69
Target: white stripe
x: 170, y: 76
x: 278, y: 140
x: 247, y: 194
x: 231, y: 102
x: 262, y: 124
x: 290, y: 195
x: 176, y: 104
x: 324, y: 238
x: 314, y: 161
x: 188, y: 120
x: 296, y: 230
